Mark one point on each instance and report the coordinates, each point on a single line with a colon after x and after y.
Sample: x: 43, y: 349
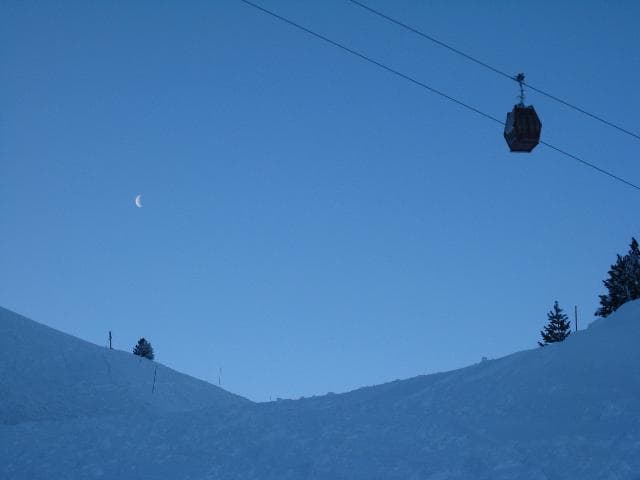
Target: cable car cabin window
x: 522, y: 129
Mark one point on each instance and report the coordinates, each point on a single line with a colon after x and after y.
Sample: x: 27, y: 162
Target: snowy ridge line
x: 51, y: 375
x: 568, y: 410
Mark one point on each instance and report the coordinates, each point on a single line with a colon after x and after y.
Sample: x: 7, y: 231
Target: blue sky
x: 310, y: 222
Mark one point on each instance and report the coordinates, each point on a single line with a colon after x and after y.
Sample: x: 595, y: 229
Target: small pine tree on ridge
x: 558, y: 326
x: 143, y: 349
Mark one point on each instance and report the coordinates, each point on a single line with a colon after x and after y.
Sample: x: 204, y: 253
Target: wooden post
x: 110, y: 340
x: 575, y: 315
x: 155, y: 371
x: 219, y: 376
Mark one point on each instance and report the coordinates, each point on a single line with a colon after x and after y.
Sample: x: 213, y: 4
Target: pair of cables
x: 449, y: 97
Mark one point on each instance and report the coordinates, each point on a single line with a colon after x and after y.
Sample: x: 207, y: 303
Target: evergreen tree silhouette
x: 557, y: 328
x: 143, y: 349
x: 623, y: 284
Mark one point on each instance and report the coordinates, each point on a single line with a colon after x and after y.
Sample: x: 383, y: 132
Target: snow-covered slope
x: 48, y: 375
x: 566, y: 411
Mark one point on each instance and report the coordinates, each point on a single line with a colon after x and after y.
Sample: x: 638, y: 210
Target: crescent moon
x: 138, y: 201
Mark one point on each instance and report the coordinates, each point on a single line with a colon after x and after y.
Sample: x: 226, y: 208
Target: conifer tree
x: 143, y: 349
x: 623, y: 284
x: 557, y: 328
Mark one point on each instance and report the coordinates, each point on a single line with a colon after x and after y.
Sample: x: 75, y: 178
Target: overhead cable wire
x: 588, y: 164
x: 493, y: 69
x: 425, y: 86
x: 371, y: 60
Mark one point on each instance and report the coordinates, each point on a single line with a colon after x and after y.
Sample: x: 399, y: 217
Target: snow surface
x: 565, y: 411
x: 49, y: 375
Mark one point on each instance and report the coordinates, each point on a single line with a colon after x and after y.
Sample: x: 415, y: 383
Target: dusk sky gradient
x: 311, y: 223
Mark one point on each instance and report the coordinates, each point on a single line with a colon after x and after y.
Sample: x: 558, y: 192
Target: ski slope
x: 565, y: 411
x: 49, y: 375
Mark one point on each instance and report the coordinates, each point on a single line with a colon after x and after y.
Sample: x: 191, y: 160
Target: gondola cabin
x: 522, y: 128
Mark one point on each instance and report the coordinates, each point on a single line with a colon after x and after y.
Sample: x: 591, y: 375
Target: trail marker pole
x: 155, y: 371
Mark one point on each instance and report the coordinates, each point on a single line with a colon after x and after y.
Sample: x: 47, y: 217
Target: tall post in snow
x: 110, y: 340
x: 155, y: 371
x: 219, y: 375
x: 575, y: 316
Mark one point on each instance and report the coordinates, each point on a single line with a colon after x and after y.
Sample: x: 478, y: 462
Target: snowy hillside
x: 565, y: 411
x: 48, y: 375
